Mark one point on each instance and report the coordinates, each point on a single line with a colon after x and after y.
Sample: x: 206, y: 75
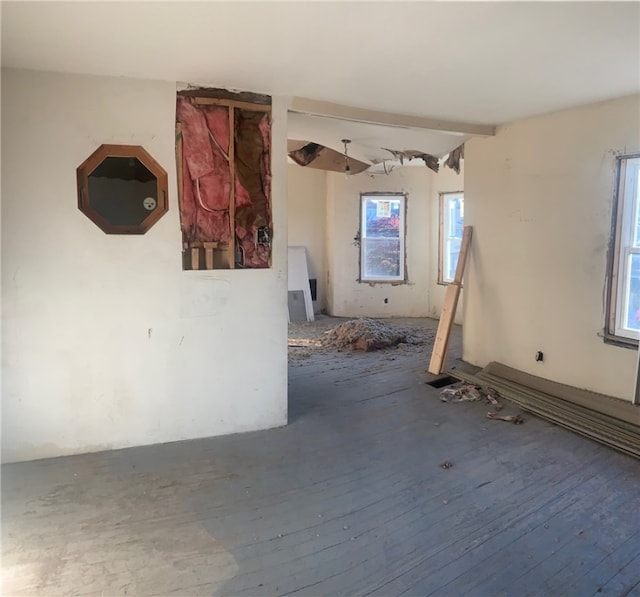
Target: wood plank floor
x: 348, y: 499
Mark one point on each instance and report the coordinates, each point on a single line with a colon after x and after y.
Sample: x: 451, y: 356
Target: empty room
x: 320, y: 298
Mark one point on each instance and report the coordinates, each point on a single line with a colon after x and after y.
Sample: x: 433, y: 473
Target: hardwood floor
x: 348, y: 499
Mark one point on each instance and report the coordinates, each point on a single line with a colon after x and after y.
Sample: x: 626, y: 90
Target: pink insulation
x: 206, y: 189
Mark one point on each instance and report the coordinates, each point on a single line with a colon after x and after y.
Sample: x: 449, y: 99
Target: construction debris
x: 492, y: 398
x: 610, y: 421
x: 306, y: 154
x: 471, y: 393
x: 369, y: 334
x: 453, y: 161
x: 461, y: 393
x: 515, y: 419
x: 430, y: 161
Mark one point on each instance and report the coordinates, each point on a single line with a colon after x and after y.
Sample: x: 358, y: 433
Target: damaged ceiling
x: 316, y: 142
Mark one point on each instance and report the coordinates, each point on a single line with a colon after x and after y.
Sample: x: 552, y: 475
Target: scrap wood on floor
x: 465, y: 392
x: 515, y: 419
x: 468, y: 392
x: 605, y: 419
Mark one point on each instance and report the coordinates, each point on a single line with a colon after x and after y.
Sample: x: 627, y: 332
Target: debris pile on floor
x: 368, y: 334
x: 466, y: 392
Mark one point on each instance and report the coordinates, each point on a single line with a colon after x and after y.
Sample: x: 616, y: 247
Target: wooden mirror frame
x: 122, y: 151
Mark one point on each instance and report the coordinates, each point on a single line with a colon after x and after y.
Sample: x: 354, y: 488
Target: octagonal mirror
x: 122, y: 189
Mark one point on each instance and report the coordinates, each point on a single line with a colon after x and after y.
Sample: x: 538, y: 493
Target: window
x: 122, y: 189
x: 623, y: 303
x: 451, y: 226
x: 382, y: 233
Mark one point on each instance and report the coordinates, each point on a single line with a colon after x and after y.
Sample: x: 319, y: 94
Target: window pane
x: 634, y: 196
x: 453, y: 250
x: 382, y: 218
x: 381, y: 258
x: 632, y: 293
x: 456, y: 222
x: 623, y: 310
x: 453, y: 226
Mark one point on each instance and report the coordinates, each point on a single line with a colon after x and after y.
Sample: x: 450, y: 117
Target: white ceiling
x: 477, y: 62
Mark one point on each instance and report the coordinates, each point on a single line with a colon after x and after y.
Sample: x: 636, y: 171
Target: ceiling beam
x: 331, y: 110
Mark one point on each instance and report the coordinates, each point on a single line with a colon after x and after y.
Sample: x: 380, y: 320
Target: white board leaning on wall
x: 298, y: 277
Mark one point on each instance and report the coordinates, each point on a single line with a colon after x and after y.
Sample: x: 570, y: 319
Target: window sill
x: 391, y: 282
x: 620, y: 341
x: 449, y: 284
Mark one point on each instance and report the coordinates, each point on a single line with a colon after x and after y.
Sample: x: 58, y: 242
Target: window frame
x: 136, y: 152
x: 402, y: 277
x: 441, y: 236
x: 624, y: 213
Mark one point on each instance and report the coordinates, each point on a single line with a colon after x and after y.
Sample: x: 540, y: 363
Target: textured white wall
x: 324, y: 216
x: 350, y: 298
x: 106, y: 341
x: 306, y: 218
x: 539, y: 195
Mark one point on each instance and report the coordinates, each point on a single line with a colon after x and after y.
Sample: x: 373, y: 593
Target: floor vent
x: 441, y: 382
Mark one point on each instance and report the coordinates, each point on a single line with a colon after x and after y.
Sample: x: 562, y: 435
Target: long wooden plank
x: 581, y: 420
x: 464, y: 250
x: 441, y: 344
x: 599, y: 403
x: 210, y: 101
x: 447, y: 315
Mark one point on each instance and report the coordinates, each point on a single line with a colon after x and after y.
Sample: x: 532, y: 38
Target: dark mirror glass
x: 123, y: 191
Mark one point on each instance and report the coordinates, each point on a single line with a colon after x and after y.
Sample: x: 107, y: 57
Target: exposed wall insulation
x: 223, y: 152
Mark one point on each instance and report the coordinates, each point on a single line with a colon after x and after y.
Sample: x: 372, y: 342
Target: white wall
x: 307, y: 193
x: 347, y: 296
x: 539, y: 195
x: 422, y: 296
x: 106, y: 341
x: 350, y: 298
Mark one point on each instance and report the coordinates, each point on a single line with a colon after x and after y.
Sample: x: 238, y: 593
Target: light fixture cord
x: 347, y: 167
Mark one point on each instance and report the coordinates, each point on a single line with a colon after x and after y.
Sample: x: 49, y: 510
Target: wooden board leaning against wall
x: 441, y: 344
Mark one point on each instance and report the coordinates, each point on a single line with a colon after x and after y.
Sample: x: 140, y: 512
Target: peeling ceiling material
x: 430, y: 161
x: 306, y: 154
x: 314, y: 155
x: 317, y: 156
x: 453, y: 160
x: 368, y: 139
